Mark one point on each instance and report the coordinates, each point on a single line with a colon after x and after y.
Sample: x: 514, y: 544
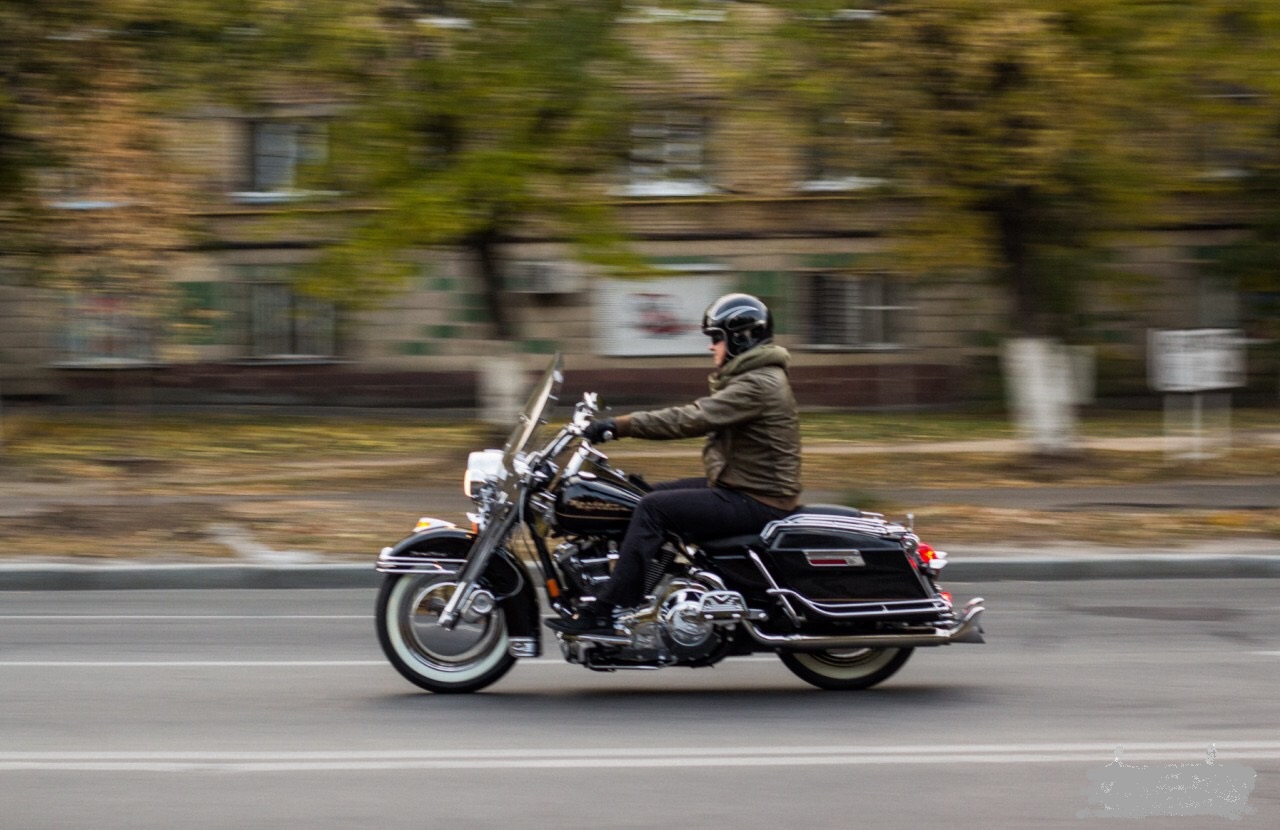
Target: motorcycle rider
x: 751, y: 455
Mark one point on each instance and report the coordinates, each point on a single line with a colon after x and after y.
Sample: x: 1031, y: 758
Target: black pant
x: 691, y: 510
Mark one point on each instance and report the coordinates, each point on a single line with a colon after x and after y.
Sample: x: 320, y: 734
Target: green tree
x: 93, y: 192
x: 1020, y: 133
x: 87, y: 86
x: 1236, y: 67
x: 470, y: 122
x: 89, y: 195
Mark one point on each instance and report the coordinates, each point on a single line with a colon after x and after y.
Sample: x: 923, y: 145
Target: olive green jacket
x: 751, y: 422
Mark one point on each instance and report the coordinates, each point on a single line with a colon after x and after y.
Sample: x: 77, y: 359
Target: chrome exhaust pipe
x: 601, y: 639
x: 968, y: 630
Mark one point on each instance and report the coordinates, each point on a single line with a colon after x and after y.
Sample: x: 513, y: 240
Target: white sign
x: 654, y: 317
x: 1196, y: 360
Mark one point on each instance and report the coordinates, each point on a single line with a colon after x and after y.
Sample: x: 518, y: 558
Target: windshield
x: 544, y: 392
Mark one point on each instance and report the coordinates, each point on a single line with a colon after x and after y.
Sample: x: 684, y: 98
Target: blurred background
x: 269, y: 209
x: 267, y: 201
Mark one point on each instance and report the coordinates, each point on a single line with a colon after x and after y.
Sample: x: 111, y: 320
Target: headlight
x: 482, y: 466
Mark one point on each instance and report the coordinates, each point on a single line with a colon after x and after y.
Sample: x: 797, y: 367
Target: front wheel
x: 466, y: 658
x: 845, y: 669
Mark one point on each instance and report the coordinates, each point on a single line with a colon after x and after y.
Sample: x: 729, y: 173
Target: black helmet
x: 742, y: 320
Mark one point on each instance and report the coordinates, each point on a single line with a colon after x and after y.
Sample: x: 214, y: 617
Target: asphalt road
x: 274, y: 709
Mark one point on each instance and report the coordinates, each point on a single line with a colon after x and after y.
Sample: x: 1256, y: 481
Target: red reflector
x: 946, y: 597
x: 926, y: 552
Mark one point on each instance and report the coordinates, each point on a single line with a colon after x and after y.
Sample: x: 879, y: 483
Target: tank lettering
x: 592, y: 505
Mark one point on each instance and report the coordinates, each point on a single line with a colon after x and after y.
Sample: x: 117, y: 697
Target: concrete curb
x: 121, y: 577
x: 127, y: 577
x: 1136, y: 566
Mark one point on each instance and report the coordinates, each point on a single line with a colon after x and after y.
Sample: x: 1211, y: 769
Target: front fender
x: 443, y: 549
x: 437, y: 548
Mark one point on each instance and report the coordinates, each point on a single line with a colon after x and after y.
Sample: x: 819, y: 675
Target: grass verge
x: 170, y: 487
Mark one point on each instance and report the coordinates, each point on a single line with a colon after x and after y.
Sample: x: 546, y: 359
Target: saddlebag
x: 848, y: 566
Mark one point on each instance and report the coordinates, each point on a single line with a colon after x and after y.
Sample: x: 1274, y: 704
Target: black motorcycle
x: 842, y: 596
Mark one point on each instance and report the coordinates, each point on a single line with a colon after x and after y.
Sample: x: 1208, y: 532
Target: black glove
x: 597, y: 432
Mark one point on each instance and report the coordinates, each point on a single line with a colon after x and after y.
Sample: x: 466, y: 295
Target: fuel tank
x: 596, y: 503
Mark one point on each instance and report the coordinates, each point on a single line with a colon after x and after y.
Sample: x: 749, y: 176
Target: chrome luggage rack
x: 872, y: 524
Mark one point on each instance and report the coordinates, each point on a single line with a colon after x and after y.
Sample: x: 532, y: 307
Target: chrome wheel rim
x: 440, y: 649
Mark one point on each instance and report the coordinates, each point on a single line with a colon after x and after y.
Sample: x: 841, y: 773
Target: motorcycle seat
x: 731, y: 543
x: 828, y: 510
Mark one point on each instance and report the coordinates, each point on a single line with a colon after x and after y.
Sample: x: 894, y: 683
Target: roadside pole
x: 1045, y: 382
x: 501, y: 385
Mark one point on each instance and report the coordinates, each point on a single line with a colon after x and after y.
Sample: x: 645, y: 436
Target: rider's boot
x: 592, y: 618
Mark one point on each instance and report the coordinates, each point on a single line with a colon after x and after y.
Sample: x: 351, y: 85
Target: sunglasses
x: 716, y: 336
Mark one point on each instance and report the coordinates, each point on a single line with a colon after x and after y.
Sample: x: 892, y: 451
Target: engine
x: 691, y: 623
x: 685, y: 629
x: 585, y: 563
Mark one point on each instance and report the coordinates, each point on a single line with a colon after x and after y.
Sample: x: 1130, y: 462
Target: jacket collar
x: 750, y: 360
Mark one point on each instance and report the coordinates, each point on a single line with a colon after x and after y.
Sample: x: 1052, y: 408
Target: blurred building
x: 720, y: 194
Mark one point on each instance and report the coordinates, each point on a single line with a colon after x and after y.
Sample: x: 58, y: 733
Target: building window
x: 105, y: 327
x: 668, y: 155
x: 1220, y: 154
x: 285, y: 158
x: 69, y: 188
x: 282, y: 323
x: 844, y: 153
x: 855, y: 311
x: 1217, y: 302
x: 708, y: 11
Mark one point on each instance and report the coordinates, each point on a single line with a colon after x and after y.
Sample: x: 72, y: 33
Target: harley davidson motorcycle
x: 842, y: 597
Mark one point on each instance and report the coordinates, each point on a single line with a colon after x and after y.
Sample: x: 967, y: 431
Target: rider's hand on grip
x: 597, y: 432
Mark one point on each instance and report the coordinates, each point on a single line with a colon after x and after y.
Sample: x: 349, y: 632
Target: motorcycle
x: 843, y: 597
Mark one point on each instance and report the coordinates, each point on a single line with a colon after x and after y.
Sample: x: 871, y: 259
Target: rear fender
x: 443, y: 549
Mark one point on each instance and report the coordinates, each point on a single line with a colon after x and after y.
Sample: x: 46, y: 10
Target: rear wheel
x: 845, y: 669
x: 466, y: 658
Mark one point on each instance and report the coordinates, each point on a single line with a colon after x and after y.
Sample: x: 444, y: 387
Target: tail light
x: 930, y: 559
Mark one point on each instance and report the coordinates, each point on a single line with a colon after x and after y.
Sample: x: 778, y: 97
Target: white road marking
x: 621, y: 758
x: 236, y: 664
x: 183, y: 664
x: 201, y: 617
